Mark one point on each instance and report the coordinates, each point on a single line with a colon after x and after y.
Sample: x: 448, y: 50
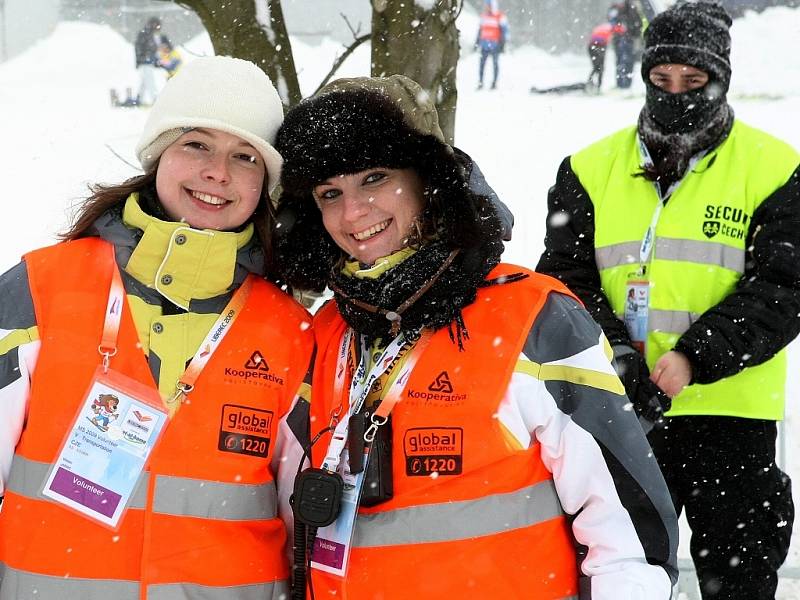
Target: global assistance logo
x: 255, y: 370
x: 430, y: 450
x: 725, y: 221
x: 245, y: 430
x: 440, y: 389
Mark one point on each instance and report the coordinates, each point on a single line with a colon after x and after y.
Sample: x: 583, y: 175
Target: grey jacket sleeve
x: 19, y: 344
x: 603, y: 467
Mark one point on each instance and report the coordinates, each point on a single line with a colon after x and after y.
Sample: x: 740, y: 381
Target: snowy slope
x: 60, y: 133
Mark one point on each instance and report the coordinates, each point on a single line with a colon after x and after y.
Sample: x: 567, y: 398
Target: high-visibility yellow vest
x: 699, y: 250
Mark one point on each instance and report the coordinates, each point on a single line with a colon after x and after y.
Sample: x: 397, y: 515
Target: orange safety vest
x: 491, y: 26
x: 204, y: 518
x: 473, y: 514
x: 601, y: 34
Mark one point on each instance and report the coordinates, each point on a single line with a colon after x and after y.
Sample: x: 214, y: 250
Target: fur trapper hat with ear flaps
x: 356, y: 124
x: 216, y: 92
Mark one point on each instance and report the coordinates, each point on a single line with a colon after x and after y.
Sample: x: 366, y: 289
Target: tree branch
x: 350, y: 27
x: 348, y: 51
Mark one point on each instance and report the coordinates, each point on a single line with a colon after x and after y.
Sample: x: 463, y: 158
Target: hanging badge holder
x: 637, y: 302
x: 637, y: 290
x: 106, y: 449
x: 120, y: 420
x: 334, y: 542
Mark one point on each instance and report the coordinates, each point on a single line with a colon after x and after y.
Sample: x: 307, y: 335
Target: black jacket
x: 146, y: 46
x: 745, y: 329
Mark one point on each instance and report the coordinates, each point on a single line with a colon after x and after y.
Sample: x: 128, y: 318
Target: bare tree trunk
x: 408, y: 38
x: 253, y: 30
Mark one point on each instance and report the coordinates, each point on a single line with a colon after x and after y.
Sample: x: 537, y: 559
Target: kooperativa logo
x: 255, y: 370
x: 441, y: 389
x: 441, y: 384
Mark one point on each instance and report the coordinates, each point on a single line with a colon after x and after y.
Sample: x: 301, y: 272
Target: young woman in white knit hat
x: 147, y: 366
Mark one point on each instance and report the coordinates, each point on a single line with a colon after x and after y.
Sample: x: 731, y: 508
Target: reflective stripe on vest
x: 692, y: 251
x: 203, y: 520
x: 699, y: 252
x: 454, y: 530
x: 20, y: 584
x: 173, y: 495
x: 459, y: 520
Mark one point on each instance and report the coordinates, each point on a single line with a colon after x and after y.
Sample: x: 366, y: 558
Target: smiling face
x: 370, y: 214
x: 210, y: 179
x: 676, y: 78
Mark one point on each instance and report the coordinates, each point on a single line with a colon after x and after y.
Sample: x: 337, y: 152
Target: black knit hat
x: 690, y: 33
x: 357, y: 124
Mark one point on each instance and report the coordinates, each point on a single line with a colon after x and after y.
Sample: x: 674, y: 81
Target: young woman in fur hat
x: 695, y: 217
x: 466, y: 407
x: 157, y: 301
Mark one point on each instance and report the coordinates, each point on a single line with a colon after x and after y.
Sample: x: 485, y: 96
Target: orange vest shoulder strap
x: 327, y: 323
x: 536, y: 284
x: 66, y: 262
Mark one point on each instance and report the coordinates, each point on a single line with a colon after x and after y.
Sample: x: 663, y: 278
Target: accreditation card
x: 637, y: 305
x: 333, y: 543
x: 104, y: 454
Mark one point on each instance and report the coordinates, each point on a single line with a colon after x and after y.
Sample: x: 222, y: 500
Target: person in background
x: 178, y: 255
x: 626, y: 15
x: 146, y: 49
x: 169, y: 58
x: 491, y: 40
x: 681, y: 235
x: 511, y: 467
x: 598, y: 43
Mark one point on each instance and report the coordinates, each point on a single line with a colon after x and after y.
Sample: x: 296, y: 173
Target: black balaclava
x: 675, y: 127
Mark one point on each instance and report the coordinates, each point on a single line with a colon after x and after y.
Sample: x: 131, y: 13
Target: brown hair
x: 105, y: 197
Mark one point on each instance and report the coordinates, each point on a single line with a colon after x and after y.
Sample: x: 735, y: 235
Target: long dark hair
x: 105, y: 197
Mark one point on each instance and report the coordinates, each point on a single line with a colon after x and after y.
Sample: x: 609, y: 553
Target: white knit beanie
x: 216, y: 92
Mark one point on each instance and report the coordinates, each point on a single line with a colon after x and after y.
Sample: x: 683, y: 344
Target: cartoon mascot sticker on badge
x: 105, y: 411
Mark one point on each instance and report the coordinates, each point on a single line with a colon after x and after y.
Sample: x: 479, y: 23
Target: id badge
x: 637, y: 301
x: 102, y: 458
x: 333, y: 543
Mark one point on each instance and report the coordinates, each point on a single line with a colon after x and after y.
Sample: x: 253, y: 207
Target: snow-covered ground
x: 60, y: 133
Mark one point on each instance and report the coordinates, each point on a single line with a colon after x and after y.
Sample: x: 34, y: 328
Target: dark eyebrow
x: 211, y: 133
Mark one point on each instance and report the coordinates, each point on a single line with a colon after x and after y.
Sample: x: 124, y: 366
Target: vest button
x: 166, y: 279
x: 180, y: 239
x: 158, y: 328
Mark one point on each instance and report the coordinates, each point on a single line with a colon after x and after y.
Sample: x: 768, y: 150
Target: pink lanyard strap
x: 211, y: 342
x: 186, y: 383
x: 116, y: 300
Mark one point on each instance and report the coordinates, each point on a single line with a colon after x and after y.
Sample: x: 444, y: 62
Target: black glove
x: 649, y: 401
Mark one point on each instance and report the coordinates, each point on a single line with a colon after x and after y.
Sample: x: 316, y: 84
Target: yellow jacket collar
x: 180, y: 262
x: 359, y: 271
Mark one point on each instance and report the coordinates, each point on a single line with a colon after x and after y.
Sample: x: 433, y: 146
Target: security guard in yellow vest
x: 681, y: 236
